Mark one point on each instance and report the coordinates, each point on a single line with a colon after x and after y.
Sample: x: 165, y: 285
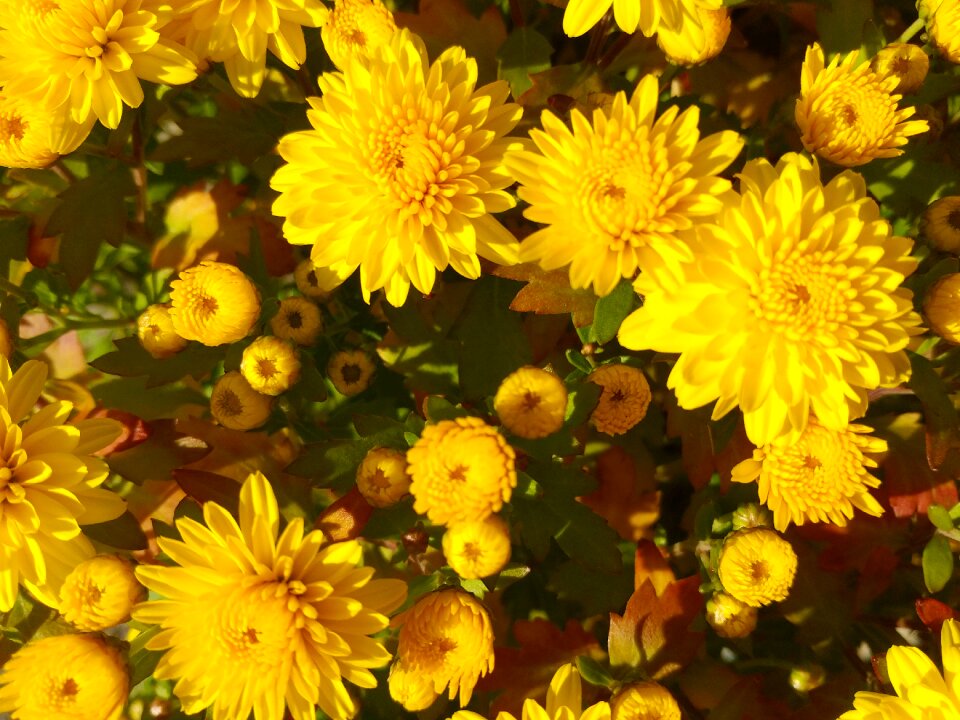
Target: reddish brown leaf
x: 933, y: 612
x: 625, y: 495
x: 207, y: 487
x: 549, y: 293
x: 135, y: 431
x: 909, y: 482
x: 696, y: 443
x: 346, y: 518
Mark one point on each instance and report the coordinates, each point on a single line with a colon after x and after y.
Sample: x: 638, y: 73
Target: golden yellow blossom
x: 624, y: 399
x: 100, y: 593
x: 531, y: 402
x: 214, y: 303
x: 313, y: 281
x: 904, y: 61
x: 298, y: 320
x: 943, y: 26
x: 350, y: 371
x: 685, y: 47
x: 270, y: 365
x: 644, y: 701
x: 382, y: 477
x: 942, y: 307
x: 156, y: 334
x: 729, y: 617
x: 354, y: 28
x: 33, y: 137
x: 757, y: 566
x: 477, y: 548
x: 236, y: 405
x: 648, y: 16
x: 941, y: 224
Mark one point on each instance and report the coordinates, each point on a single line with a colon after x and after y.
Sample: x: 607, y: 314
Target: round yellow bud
x: 531, y: 402
x: 214, y: 303
x: 645, y: 701
x: 757, y: 566
x: 382, y: 477
x: 624, y: 400
x: 236, y: 405
x: 941, y: 224
x: 156, y: 334
x: 350, y: 371
x: 682, y: 47
x: 942, y: 307
x: 270, y: 365
x: 729, y: 617
x: 298, y: 320
x: 31, y: 136
x: 100, y: 593
x: 477, y: 548
x: 313, y: 281
x: 908, y: 63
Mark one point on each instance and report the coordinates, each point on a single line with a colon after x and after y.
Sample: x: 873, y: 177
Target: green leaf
x: 937, y: 563
x: 524, y: 53
x: 333, y: 463
x: 142, y: 661
x: 940, y: 517
x: 131, y: 360
x: 939, y: 413
x: 593, y: 672
x: 122, y: 533
x: 438, y: 408
x: 841, y: 25
x: 585, y: 536
x: 612, y: 310
x: 474, y: 587
x: 13, y: 241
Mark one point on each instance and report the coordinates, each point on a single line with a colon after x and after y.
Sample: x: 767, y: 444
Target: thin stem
x: 908, y: 34
x: 516, y: 14
x: 15, y: 290
x: 597, y: 37
x: 610, y: 55
x: 63, y: 171
x: 96, y: 323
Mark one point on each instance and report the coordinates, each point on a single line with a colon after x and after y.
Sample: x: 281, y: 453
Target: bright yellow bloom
x: 382, y: 477
x: 239, y: 34
x: 236, y: 405
x: 644, y: 701
x: 462, y: 470
x: 445, y: 640
x: 256, y: 624
x: 923, y: 693
x: 65, y: 677
x: 942, y: 307
x: 941, y: 224
x: 624, y: 399
x: 904, y: 61
x: 649, y: 16
x: 100, y: 593
x: 354, y: 28
x: 943, y: 26
x: 313, y: 281
x: 477, y: 548
x: 214, y: 303
x: 613, y: 193
x: 848, y: 114
x: 49, y: 486
x: 401, y: 171
x: 685, y: 46
x: 757, y: 566
x: 564, y: 702
x: 531, y: 402
x: 298, y: 320
x: 820, y: 477
x: 729, y: 617
x: 33, y: 137
x: 350, y: 371
x: 87, y: 57
x: 270, y: 365
x: 156, y: 334
x: 791, y: 303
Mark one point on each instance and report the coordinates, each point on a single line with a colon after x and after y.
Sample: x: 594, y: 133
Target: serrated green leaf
x: 937, y: 563
x: 612, y: 310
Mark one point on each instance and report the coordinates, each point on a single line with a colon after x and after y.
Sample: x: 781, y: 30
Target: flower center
x: 12, y: 129
x: 433, y: 653
x: 800, y: 298
x: 295, y: 320
x: 379, y: 480
x: 758, y: 571
x: 953, y: 220
x: 267, y: 368
x: 861, y: 113
x: 351, y: 373
x: 530, y: 401
x: 472, y: 551
x: 900, y: 66
x: 228, y: 403
x: 61, y: 694
x: 459, y: 473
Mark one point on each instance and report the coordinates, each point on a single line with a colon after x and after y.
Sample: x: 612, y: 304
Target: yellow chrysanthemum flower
x: 531, y: 402
x: 791, y: 303
x: 649, y: 16
x: 270, y: 365
x: 87, y: 57
x: 75, y: 677
x: 214, y: 303
x: 100, y: 593
x: 156, y: 334
x: 904, y: 61
x: 477, y: 548
x: 613, y: 193
x: 313, y: 281
x: 239, y: 34
x: 446, y: 639
x: 236, y: 405
x: 757, y: 566
x: 848, y: 114
x: 943, y: 26
x: 564, y: 702
x: 729, y: 617
x: 298, y: 320
x: 941, y: 224
x: 942, y: 307
x: 401, y: 171
x: 462, y: 470
x: 350, y: 371
x: 922, y: 691
x: 256, y: 624
x: 382, y: 477
x: 33, y: 137
x: 820, y: 477
x: 354, y: 28
x: 685, y: 46
x: 624, y: 399
x: 49, y: 486
x: 644, y: 701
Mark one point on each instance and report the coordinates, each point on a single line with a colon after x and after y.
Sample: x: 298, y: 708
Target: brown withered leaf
x: 625, y: 496
x: 909, y: 482
x: 933, y: 613
x: 548, y: 292
x: 650, y: 564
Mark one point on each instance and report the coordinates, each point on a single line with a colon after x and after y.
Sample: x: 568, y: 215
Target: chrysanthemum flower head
x: 298, y: 320
x: 922, y: 690
x: 942, y: 307
x: 100, y: 593
x: 531, y: 402
x: 477, y: 548
x: 649, y: 16
x: 757, y: 566
x: 624, y: 399
x: 941, y: 224
x: 904, y: 61
x: 354, y: 28
x: 214, y: 303
x: 820, y: 477
x: 462, y: 470
x: 401, y: 171
x: 848, y: 114
x: 33, y: 137
x: 943, y: 26
x: 645, y: 701
x: 80, y: 677
x: 49, y: 486
x: 614, y: 191
x: 236, y: 405
x: 315, y: 282
x: 350, y: 371
x: 156, y: 334
x: 261, y: 624
x: 87, y: 57
x: 729, y: 617
x: 271, y: 365
x: 446, y: 640
x: 791, y: 303
x: 382, y: 477
x: 694, y: 44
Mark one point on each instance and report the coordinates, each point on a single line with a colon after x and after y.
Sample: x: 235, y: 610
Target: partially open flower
x: 270, y: 365
x: 904, y: 61
x: 382, y: 477
x: 645, y: 701
x: 298, y: 320
x: 757, y: 566
x: 477, y: 548
x: 350, y: 371
x: 943, y: 26
x: 100, y: 593
x: 942, y: 307
x: 214, y: 303
x: 236, y: 405
x: 941, y: 224
x: 315, y: 282
x: 354, y: 28
x: 624, y: 399
x: 729, y: 617
x: 31, y: 136
x: 531, y: 402
x: 691, y: 45
x: 156, y: 333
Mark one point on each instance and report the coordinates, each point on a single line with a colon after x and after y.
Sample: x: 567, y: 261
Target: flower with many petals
x: 757, y: 566
x: 213, y: 303
x: 477, y: 548
x: 156, y: 334
x: 941, y: 224
x: 354, y: 28
x: 298, y: 320
x: 33, y: 137
x: 531, y: 402
x: 623, y: 400
x: 791, y: 303
x: 684, y: 46
x: 236, y: 405
x: 648, y: 16
x: 256, y: 623
x: 401, y: 171
x: 100, y: 593
x: 614, y: 192
x: 943, y: 26
x: 941, y: 307
x: 646, y: 700
x: 270, y: 364
x: 382, y: 477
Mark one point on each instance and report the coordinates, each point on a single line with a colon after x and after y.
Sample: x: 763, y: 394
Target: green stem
x: 97, y: 323
x: 916, y: 27
x: 17, y: 291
